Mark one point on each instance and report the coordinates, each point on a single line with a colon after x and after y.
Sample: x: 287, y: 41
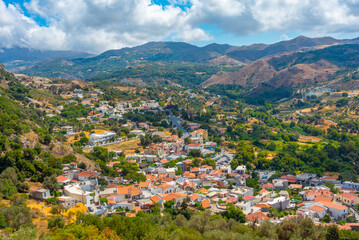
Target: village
x: 178, y: 174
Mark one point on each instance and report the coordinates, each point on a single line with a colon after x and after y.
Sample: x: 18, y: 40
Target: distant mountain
x: 254, y: 52
x: 114, y: 61
x: 291, y: 71
x: 20, y: 57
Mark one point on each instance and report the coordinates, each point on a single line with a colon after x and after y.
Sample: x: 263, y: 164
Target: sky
x: 95, y: 26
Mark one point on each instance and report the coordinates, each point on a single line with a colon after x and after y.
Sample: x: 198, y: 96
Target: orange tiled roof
x: 268, y: 185
x: 134, y: 191
x: 155, y: 198
x: 258, y: 216
x: 348, y: 196
x: 143, y: 184
x: 203, y: 190
x: 170, y: 197
x: 61, y: 178
x: 333, y: 205
x: 195, y: 196
x: 317, y: 208
x: 262, y: 205
x: 323, y: 199
x: 206, y: 203
x: 84, y: 174
x: 263, y: 190
x: 246, y: 198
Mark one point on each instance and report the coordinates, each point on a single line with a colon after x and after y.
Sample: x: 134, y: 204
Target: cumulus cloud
x: 284, y: 37
x: 98, y: 25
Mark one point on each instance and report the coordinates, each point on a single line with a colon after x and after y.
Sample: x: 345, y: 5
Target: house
x: 241, y: 169
x: 193, y: 146
x: 137, y: 132
x: 144, y: 185
x: 331, y: 179
x: 318, y: 211
x: 280, y: 184
x: 305, y: 178
x: 289, y: 178
x: 351, y: 185
x: 280, y: 203
x: 156, y: 199
x: 339, y: 212
x: 84, y: 176
x: 347, y: 198
x: 176, y: 197
x: 145, y: 204
x: 103, y: 138
x: 257, y: 217
x: 166, y: 188
x: 62, y: 180
x: 196, y: 197
x: 200, y: 133
x: 39, y: 193
x: 242, y: 191
x: 210, y: 146
x: 81, y: 193
x: 268, y: 186
x: 131, y: 192
x: 206, y: 203
x: 66, y: 201
x: 295, y: 186
x: 312, y: 194
x: 69, y: 130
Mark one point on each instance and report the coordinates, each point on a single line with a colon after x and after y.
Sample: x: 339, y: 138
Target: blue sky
x: 99, y: 25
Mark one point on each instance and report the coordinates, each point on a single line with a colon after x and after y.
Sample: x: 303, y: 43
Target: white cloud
x: 284, y: 37
x: 192, y: 35
x: 98, y: 25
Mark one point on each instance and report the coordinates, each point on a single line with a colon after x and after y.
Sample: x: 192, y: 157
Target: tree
x: 3, y: 223
x: 80, y: 231
x: 195, y: 153
x: 51, y: 183
x: 332, y: 233
x: 7, y: 188
x: 56, y: 222
x: 10, y: 173
x: 84, y: 140
x: 18, y: 214
x: 245, y: 155
x: 28, y: 233
x: 82, y: 166
x: 326, y: 218
x: 169, y: 204
x: 235, y: 213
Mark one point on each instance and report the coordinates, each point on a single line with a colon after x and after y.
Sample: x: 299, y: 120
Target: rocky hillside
x: 292, y: 71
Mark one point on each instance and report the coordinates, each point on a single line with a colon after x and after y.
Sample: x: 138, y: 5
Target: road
x: 299, y: 113
x: 356, y: 213
x: 177, y: 122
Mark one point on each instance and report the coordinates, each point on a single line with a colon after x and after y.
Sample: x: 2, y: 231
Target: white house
x: 193, y: 146
x: 101, y: 138
x: 337, y: 211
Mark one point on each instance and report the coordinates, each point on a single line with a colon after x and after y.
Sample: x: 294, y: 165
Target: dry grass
x: 128, y: 147
x: 125, y: 89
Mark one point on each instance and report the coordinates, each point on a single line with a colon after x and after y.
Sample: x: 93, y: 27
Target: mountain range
x: 259, y: 68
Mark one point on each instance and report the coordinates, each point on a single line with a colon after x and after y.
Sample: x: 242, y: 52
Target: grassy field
x: 128, y: 147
